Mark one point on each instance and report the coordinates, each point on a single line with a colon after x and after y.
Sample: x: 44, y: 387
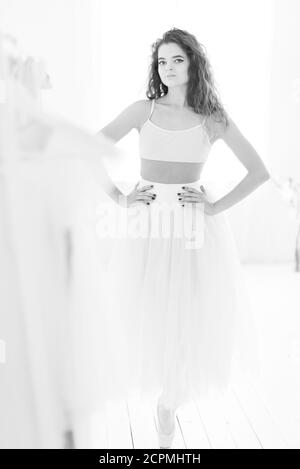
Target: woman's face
x: 172, y: 60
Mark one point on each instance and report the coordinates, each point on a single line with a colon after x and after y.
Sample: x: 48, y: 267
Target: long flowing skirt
x: 178, y: 302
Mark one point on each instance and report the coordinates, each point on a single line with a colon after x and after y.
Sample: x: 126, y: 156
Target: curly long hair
x: 202, y: 94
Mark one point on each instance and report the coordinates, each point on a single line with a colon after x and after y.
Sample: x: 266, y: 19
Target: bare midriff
x: 170, y: 172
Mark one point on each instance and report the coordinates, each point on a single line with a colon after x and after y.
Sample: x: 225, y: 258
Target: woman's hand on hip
x: 140, y: 195
x: 192, y: 195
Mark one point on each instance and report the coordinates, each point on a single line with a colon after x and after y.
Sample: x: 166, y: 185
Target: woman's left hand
x: 192, y: 195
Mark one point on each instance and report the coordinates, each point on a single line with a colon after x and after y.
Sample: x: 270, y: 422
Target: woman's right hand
x: 140, y: 195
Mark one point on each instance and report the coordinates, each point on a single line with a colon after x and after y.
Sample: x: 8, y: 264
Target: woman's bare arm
x: 247, y: 155
x: 127, y: 120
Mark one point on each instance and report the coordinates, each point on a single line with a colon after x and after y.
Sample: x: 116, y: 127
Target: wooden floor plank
x: 142, y: 424
x: 239, y: 425
x: 213, y: 421
x: 118, y: 425
x: 284, y: 412
x: 193, y: 432
x: 264, y: 425
x: 99, y: 431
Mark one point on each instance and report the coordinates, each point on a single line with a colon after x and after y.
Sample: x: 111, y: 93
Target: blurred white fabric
x: 51, y: 272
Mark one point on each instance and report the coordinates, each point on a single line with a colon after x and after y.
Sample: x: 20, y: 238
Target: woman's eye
x: 162, y: 61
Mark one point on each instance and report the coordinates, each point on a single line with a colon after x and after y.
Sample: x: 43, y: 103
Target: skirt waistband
x: 172, y: 184
x: 170, y: 190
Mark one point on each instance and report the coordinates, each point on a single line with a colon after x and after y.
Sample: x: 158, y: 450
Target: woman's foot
x: 166, y: 426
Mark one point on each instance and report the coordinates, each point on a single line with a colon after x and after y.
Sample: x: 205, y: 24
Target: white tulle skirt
x: 178, y: 306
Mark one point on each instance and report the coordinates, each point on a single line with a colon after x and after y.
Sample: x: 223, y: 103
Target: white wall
x: 271, y: 230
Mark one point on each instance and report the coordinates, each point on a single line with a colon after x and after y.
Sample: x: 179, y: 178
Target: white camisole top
x: 185, y: 146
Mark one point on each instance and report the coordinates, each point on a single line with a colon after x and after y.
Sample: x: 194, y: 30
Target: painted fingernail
x: 178, y: 193
x: 180, y: 198
x: 148, y: 203
x: 183, y: 187
x: 183, y: 205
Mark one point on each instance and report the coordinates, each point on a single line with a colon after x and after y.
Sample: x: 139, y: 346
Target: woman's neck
x: 177, y: 100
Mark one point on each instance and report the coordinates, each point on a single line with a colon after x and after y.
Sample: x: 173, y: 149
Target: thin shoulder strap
x: 152, y: 108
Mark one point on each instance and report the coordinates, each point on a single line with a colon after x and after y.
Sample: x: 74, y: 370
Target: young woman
x: 181, y: 301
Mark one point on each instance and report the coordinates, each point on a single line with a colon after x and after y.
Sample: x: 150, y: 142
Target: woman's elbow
x: 261, y: 176
x: 265, y: 175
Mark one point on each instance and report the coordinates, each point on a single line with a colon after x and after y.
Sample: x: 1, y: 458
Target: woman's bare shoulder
x: 215, y: 127
x: 128, y: 119
x: 143, y: 107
